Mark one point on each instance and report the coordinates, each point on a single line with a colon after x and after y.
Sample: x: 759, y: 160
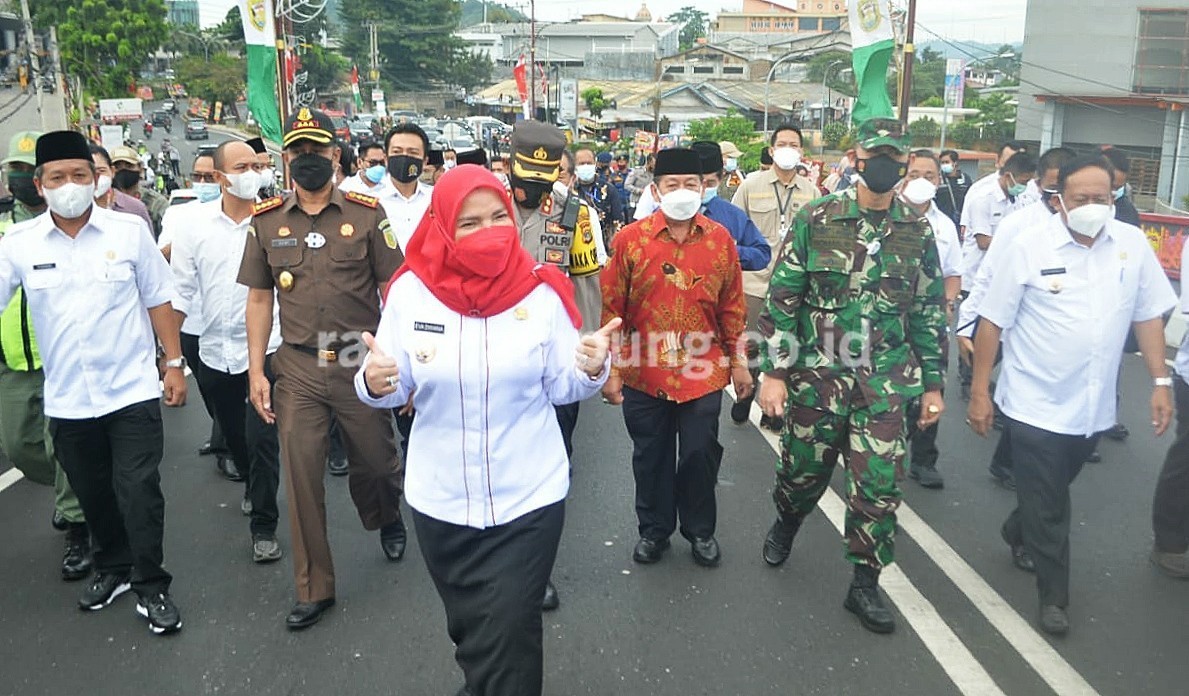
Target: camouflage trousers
x: 872, y: 447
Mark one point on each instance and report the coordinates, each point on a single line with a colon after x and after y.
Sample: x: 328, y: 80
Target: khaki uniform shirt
x: 329, y: 269
x: 771, y: 205
x: 575, y: 253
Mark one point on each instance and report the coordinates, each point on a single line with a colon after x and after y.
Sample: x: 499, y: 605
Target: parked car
x: 463, y: 143
x: 182, y: 195
x: 207, y: 150
x: 169, y: 105
x: 196, y: 130
x: 162, y: 118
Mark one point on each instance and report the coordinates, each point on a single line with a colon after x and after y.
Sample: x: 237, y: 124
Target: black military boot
x: 76, y: 555
x: 779, y: 542
x: 864, y: 601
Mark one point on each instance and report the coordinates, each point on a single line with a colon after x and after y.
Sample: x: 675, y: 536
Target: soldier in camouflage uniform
x: 855, y: 328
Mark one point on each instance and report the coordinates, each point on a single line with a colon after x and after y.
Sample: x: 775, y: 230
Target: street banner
x: 955, y: 82
x: 872, y: 46
x: 260, y: 44
x: 568, y: 93
x: 120, y: 109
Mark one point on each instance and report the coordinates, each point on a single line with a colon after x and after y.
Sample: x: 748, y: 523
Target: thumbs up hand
x: 593, y: 349
x: 381, y: 374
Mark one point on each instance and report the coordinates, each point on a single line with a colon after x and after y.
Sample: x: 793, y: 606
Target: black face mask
x: 405, y: 169
x: 23, y: 189
x: 311, y: 171
x: 881, y: 173
x: 534, y: 192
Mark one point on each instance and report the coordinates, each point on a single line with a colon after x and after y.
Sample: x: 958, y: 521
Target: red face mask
x: 485, y: 252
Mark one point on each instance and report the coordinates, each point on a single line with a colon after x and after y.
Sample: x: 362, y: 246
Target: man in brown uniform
x: 327, y: 255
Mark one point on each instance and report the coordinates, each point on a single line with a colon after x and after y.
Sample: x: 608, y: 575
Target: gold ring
x: 934, y: 409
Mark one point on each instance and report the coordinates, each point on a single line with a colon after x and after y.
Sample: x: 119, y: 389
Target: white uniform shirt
x: 485, y: 447
x: 357, y: 184
x: 646, y: 206
x: 1182, y: 363
x: 976, y: 189
x: 1069, y: 308
x: 206, y: 257
x: 171, y: 221
x: 404, y: 214
x: 949, y: 249
x: 987, y: 210
x: 89, y: 298
x: 1031, y: 218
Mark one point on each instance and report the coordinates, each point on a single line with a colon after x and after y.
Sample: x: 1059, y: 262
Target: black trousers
x: 923, y: 443
x: 1170, y: 507
x: 675, y: 460
x: 112, y: 463
x: 491, y: 582
x: 1046, y: 463
x: 252, y: 442
x: 190, y: 351
x: 567, y: 420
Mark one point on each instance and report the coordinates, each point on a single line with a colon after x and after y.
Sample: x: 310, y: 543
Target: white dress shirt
x: 206, y: 257
x: 1182, y: 362
x: 89, y: 298
x: 987, y: 210
x: 976, y: 189
x: 404, y: 214
x: 949, y: 249
x: 173, y: 219
x: 357, y: 184
x: 485, y: 447
x: 1068, y: 308
x: 1030, y: 218
x: 646, y: 206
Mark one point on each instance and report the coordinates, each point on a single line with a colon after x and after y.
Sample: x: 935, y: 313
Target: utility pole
x: 34, y: 62
x: 60, y: 79
x: 532, y: 52
x: 374, y: 45
x: 909, y: 59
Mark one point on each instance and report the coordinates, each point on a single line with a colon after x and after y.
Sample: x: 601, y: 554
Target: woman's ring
x: 391, y: 381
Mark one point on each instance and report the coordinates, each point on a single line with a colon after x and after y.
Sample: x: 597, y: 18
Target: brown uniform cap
x: 536, y: 151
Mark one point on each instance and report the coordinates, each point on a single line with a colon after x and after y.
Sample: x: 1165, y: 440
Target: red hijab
x: 486, y: 272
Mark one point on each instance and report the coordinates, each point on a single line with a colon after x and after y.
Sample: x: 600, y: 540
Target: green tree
x: 693, y: 25
x: 472, y: 13
x: 105, y: 42
x: 735, y: 128
x: 964, y: 134
x: 231, y: 29
x: 324, y: 68
x: 924, y: 131
x: 837, y: 63
x: 417, y: 48
x: 221, y: 79
x: 834, y: 134
x: 472, y: 70
x: 594, y: 100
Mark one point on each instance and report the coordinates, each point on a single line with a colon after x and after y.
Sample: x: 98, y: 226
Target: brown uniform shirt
x: 328, y: 268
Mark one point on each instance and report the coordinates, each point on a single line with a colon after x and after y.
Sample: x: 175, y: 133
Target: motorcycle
x: 148, y: 130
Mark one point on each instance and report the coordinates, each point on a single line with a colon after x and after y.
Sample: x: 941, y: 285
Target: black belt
x: 328, y: 354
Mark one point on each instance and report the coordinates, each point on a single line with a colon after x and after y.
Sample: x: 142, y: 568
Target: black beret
x: 257, y: 145
x: 677, y: 160
x: 711, y: 155
x: 476, y: 156
x: 62, y: 145
x: 435, y: 158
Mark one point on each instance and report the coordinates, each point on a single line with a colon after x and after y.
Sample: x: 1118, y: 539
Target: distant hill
x: 472, y: 13
x: 967, y: 48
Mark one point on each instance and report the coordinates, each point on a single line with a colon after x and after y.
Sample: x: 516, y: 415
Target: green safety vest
x: 18, y: 346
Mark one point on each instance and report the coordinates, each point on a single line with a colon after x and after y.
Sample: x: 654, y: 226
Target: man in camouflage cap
x: 855, y: 328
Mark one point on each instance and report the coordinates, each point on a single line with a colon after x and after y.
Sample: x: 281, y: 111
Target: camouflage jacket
x: 852, y: 301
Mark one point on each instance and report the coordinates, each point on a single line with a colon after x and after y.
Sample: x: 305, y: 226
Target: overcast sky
x: 988, y: 21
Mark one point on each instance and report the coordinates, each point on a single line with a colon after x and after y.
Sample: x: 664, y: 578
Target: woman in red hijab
x: 486, y: 341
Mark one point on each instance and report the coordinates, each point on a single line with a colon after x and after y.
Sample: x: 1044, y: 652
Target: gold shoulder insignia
x: 267, y: 204
x: 363, y: 199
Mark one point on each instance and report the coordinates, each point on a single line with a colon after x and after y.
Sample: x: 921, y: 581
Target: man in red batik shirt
x: 674, y: 278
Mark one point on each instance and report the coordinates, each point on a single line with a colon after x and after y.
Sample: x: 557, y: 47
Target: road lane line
x: 954, y: 657
x: 10, y: 477
x: 967, y: 673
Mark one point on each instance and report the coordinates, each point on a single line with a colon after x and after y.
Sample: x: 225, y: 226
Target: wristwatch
x: 1162, y: 382
x: 179, y: 363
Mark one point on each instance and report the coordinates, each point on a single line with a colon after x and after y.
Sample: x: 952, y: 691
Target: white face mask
x: 244, y: 185
x: 1088, y: 220
x: 786, y: 157
x: 585, y: 173
x: 449, y: 164
x: 919, y: 191
x: 102, y: 185
x: 731, y: 164
x: 681, y: 205
x: 70, y: 200
x: 268, y: 177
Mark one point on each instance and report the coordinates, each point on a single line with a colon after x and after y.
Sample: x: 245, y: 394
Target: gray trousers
x: 1170, y: 507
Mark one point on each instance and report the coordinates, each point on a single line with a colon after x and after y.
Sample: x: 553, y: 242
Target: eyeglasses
x: 203, y: 178
x: 376, y: 163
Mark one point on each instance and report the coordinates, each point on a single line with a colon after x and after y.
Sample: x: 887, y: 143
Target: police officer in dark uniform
x: 326, y: 254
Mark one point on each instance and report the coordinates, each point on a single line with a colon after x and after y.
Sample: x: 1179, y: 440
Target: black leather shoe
x: 551, y: 600
x: 1020, y: 557
x: 706, y: 552
x: 306, y: 614
x: 226, y: 466
x: 1094, y: 457
x: 649, y: 550
x: 59, y: 522
x: 76, y: 556
x: 205, y: 449
x: 1054, y: 620
x: 336, y: 467
x: 393, y: 539
x: 741, y: 410
x: 779, y: 542
x: 864, y: 601
x: 927, y: 476
x: 1117, y: 432
x: 1003, y: 477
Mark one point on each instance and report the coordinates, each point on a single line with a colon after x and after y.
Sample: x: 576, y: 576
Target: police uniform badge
x: 284, y: 232
x: 347, y: 229
x: 389, y: 235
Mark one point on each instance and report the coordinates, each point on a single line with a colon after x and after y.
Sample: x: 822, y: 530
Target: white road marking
x: 10, y: 477
x: 958, y: 662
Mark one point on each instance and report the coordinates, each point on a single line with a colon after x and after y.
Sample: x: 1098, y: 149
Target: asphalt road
x: 965, y: 615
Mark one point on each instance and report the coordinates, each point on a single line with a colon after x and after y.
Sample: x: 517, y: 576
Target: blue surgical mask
x: 1015, y: 189
x: 585, y: 172
x: 709, y: 194
x: 947, y: 169
x: 731, y: 164
x: 375, y: 173
x: 1120, y: 192
x: 207, y: 191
